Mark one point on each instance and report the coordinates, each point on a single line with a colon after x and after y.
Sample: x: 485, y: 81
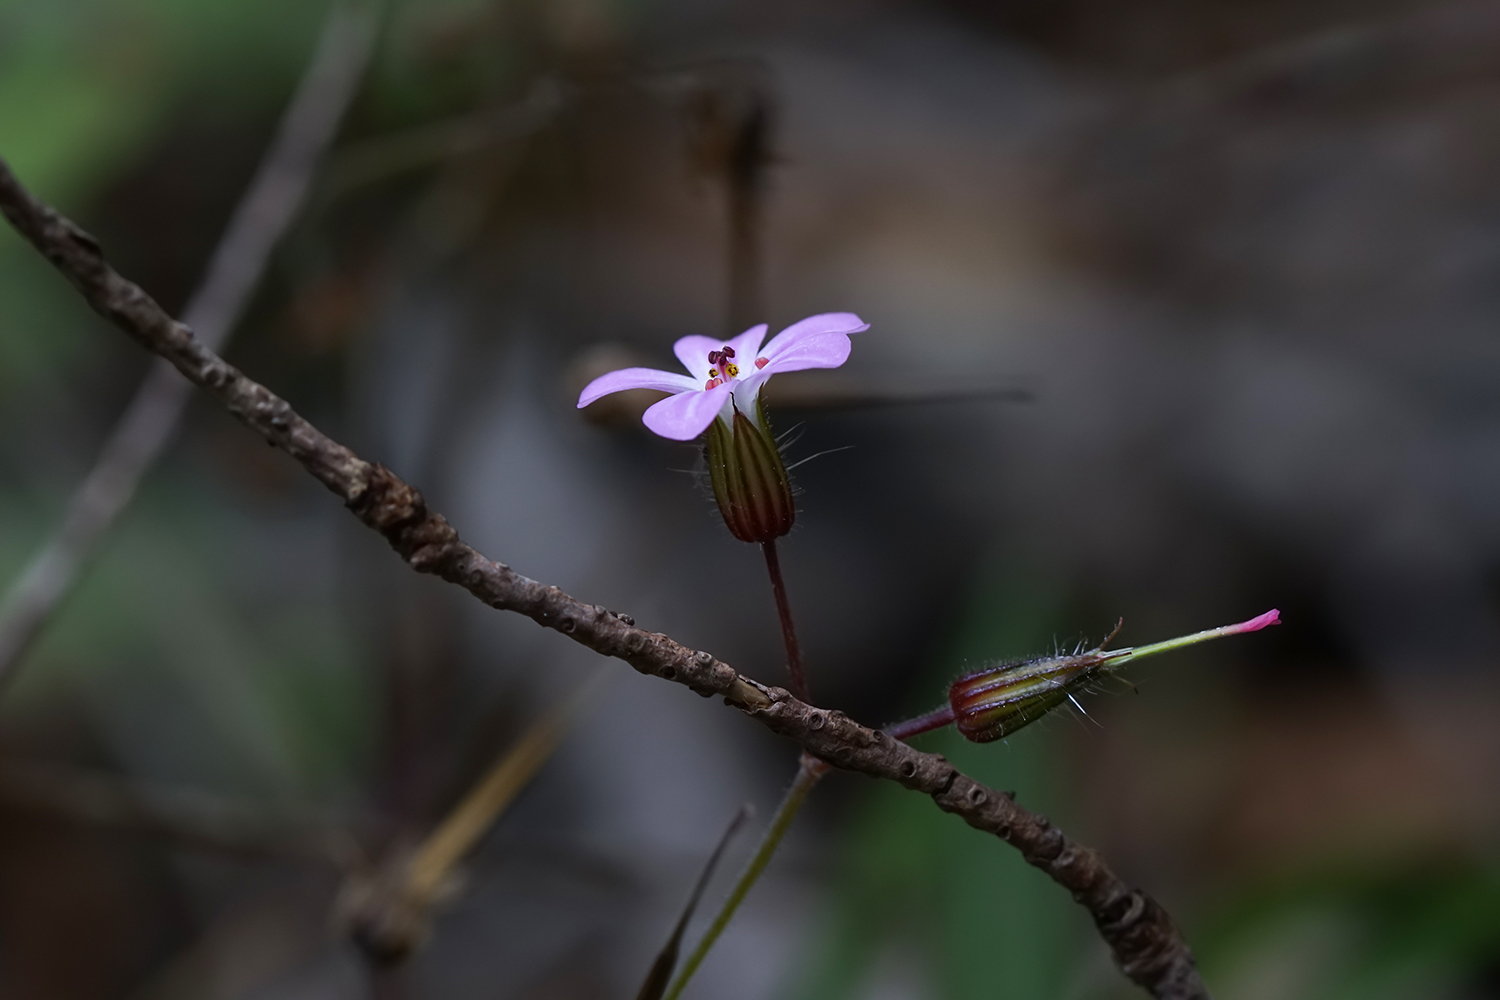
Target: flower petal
x: 635, y: 378
x: 816, y: 342
x: 692, y: 351
x: 821, y: 325
x: 686, y: 415
x: 747, y: 347
x: 746, y: 390
x: 826, y: 351
x: 1272, y: 617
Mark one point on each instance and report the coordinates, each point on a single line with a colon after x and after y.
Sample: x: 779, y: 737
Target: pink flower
x: 1272, y: 617
x: 725, y: 377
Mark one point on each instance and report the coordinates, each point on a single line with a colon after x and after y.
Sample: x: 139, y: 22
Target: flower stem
x: 1119, y: 657
x: 935, y: 719
x: 809, y: 771
x: 798, y: 678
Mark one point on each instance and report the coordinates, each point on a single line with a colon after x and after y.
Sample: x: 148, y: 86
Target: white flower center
x: 721, y: 366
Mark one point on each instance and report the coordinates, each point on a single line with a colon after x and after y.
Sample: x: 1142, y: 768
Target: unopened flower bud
x: 749, y: 479
x: 993, y: 703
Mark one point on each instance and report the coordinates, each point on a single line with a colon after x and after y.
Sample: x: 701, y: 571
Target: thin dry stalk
x: 273, y: 199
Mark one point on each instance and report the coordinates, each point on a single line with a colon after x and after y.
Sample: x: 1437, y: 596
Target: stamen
x: 713, y: 382
x: 732, y: 369
x: 761, y: 362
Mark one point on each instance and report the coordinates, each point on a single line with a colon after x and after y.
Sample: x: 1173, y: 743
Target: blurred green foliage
x: 85, y: 85
x: 170, y: 643
x: 87, y: 88
x: 1359, y: 933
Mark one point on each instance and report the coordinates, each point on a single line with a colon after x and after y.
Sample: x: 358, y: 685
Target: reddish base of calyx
x: 935, y: 719
x: 796, y: 677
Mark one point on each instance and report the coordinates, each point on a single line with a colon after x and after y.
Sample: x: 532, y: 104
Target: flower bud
x: 749, y: 479
x: 991, y: 704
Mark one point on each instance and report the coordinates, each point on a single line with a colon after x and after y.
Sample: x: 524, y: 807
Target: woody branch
x: 1145, y: 942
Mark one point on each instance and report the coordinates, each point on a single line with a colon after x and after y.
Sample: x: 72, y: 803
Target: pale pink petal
x: 635, y: 378
x: 686, y: 415
x: 821, y: 325
x: 747, y: 347
x: 828, y: 350
x: 746, y: 389
x: 1272, y: 617
x: 692, y: 351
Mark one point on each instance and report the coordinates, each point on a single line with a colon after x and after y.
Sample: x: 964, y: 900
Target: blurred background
x: 1179, y: 312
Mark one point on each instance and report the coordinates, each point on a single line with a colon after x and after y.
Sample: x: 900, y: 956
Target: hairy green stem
x: 808, y: 774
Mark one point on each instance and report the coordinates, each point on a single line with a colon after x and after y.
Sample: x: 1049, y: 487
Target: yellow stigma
x: 733, y: 370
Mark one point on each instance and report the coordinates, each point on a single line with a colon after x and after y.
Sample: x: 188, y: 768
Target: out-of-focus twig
x: 1145, y: 942
x: 387, y: 910
x: 192, y: 818
x: 1427, y: 44
x: 269, y: 205
x: 731, y: 122
x: 384, y: 156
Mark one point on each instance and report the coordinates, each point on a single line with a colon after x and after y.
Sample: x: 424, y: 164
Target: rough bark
x: 1146, y: 944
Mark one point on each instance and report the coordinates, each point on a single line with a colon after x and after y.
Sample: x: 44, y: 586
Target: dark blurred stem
x: 744, y: 254
x: 388, y: 982
x: 797, y: 678
x: 809, y: 771
x: 191, y: 818
x: 935, y: 719
x: 749, y: 156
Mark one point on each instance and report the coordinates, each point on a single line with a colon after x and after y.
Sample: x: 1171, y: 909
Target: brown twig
x: 1145, y: 943
x: 272, y: 200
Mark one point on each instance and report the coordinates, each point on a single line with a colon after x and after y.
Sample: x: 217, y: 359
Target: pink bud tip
x: 1272, y: 617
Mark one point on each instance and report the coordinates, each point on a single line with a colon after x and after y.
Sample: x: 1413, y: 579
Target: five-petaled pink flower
x: 725, y: 377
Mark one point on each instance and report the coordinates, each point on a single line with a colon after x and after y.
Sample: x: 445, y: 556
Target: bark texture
x: 1146, y: 944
